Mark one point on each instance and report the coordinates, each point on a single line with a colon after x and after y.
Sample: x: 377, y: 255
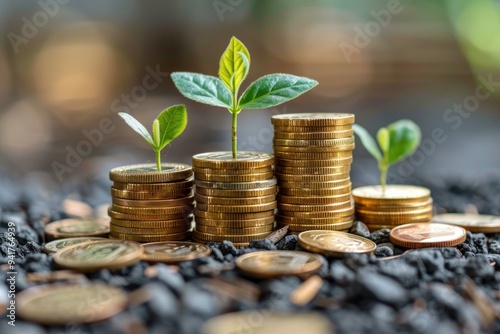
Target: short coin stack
x: 313, y: 160
x: 235, y: 198
x: 151, y: 205
x: 398, y: 205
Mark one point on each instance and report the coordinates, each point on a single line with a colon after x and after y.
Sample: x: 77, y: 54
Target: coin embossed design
x: 72, y: 227
x: 471, y: 222
x: 56, y: 245
x: 148, y: 173
x: 334, y: 243
x: 421, y: 235
x: 173, y: 251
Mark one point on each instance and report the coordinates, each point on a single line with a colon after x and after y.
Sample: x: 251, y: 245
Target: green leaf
x: 404, y: 139
x: 137, y: 127
x: 383, y: 140
x: 172, y: 122
x: 202, y: 88
x: 232, y: 70
x: 274, y: 89
x: 367, y: 141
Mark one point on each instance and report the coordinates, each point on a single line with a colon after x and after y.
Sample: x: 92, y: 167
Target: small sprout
x: 267, y: 91
x: 169, y: 124
x: 396, y: 141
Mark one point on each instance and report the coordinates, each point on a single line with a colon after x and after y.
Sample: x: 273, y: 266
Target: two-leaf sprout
x: 169, y: 124
x: 396, y: 141
x: 267, y: 91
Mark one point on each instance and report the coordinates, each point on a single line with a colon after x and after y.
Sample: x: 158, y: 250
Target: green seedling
x: 267, y: 91
x: 169, y: 124
x: 395, y: 142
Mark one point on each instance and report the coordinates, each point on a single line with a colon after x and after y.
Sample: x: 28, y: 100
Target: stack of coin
x: 150, y: 205
x: 398, y: 205
x: 235, y: 198
x: 313, y: 160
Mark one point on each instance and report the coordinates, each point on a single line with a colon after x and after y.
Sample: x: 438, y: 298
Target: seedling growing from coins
x: 169, y: 124
x: 395, y: 142
x: 267, y: 91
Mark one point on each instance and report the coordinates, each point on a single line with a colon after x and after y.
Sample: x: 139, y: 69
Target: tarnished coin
x: 421, y: 235
x: 315, y: 149
x: 73, y: 227
x: 334, y: 243
x: 236, y: 185
x: 56, y: 245
x: 234, y: 201
x: 394, y: 195
x: 269, y: 264
x: 237, y: 193
x: 237, y: 208
x: 148, y: 173
x: 234, y: 178
x: 59, y: 305
x: 272, y: 323
x: 329, y: 162
x: 313, y: 119
x: 95, y: 255
x: 154, y: 203
x: 315, y: 135
x: 217, y: 160
x: 173, y: 251
x: 471, y: 222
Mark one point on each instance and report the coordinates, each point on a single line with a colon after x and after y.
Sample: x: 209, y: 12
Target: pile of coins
x: 235, y: 198
x: 313, y: 160
x: 150, y: 205
x: 398, y: 205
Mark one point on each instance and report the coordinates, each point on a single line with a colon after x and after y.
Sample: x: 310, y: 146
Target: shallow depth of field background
x: 85, y: 58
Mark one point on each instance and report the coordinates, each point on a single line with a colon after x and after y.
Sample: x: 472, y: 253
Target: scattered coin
x: 334, y: 243
x: 173, y: 252
x: 471, y: 222
x: 56, y: 245
x: 421, y: 235
x: 73, y: 227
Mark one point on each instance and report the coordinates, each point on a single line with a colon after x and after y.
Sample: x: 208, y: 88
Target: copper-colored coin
x: 235, y: 223
x: 471, y: 222
x: 168, y: 210
x: 226, y: 171
x: 237, y: 208
x: 237, y: 193
x: 234, y: 231
x: 236, y: 185
x: 146, y: 217
x: 314, y: 208
x: 59, y: 305
x: 173, y: 251
x: 148, y: 173
x: 312, y: 170
x: 330, y: 162
x: 72, y: 227
x: 270, y: 264
x: 156, y: 187
x: 313, y: 119
x: 316, y: 135
x: 56, y: 245
x: 307, y: 129
x: 331, y: 227
x: 234, y: 178
x: 150, y: 195
x: 320, y: 214
x: 95, y: 255
x: 234, y: 238
x: 307, y: 192
x: 311, y: 178
x: 155, y: 203
x: 334, y: 243
x: 314, y: 185
x: 153, y: 224
x: 150, y: 237
x: 232, y: 216
x: 427, y: 235
x: 313, y: 221
x: 332, y: 143
x: 393, y: 195
x: 149, y: 231
x: 217, y: 160
x: 234, y: 201
x: 313, y: 200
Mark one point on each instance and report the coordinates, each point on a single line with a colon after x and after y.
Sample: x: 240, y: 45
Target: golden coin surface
x: 237, y: 208
x: 311, y: 178
x: 150, y: 237
x: 315, y: 200
x: 414, y: 206
x: 95, y: 255
x: 229, y: 171
x: 335, y: 162
x: 394, y: 194
x: 234, y: 201
x: 158, y: 203
x: 313, y: 221
x: 273, y: 323
x: 307, y: 192
x: 313, y: 119
x: 236, y: 185
x: 320, y: 214
x: 234, y: 238
x: 56, y: 245
x: 400, y: 212
x: 269, y: 264
x: 315, y: 143
x: 217, y: 160
x: 60, y: 305
x: 421, y: 235
x: 149, y: 230
x: 73, y: 227
x: 312, y: 170
x: 312, y: 155
x: 152, y: 224
x: 334, y: 243
x: 315, y: 135
x: 237, y: 193
x: 234, y: 178
x: 306, y: 129
x: 173, y: 251
x: 156, y: 187
x: 471, y: 222
x: 148, y: 173
x: 150, y: 195
x: 146, y: 217
x: 235, y: 223
x: 314, y: 208
x: 314, y: 185
x: 319, y: 152
x: 304, y: 227
x: 167, y: 210
x: 234, y: 231
x: 232, y: 216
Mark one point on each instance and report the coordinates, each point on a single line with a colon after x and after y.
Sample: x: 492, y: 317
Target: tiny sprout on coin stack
x: 396, y: 141
x: 169, y: 124
x: 267, y: 91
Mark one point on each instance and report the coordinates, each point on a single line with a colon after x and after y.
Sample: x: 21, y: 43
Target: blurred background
x: 67, y: 68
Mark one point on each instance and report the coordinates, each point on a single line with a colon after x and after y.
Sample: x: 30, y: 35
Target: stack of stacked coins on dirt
x: 313, y: 159
x: 397, y: 205
x: 235, y: 198
x: 150, y: 205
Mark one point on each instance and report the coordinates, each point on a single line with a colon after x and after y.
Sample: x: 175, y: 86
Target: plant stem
x: 234, y: 137
x: 383, y: 177
x: 158, y: 160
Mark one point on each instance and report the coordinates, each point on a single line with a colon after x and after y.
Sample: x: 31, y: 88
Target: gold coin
x: 270, y: 264
x: 326, y: 227
x: 155, y: 203
x: 234, y: 178
x: 234, y: 201
x: 312, y: 170
x: 234, y: 231
x: 149, y: 230
x: 166, y: 224
x: 73, y: 227
x: 168, y: 210
x: 316, y: 208
x: 95, y: 255
x: 244, y: 160
x: 236, y: 185
x: 319, y: 214
x: 315, y: 135
x: 334, y: 243
x: 306, y: 192
x: 146, y: 217
x: 315, y: 185
x: 315, y: 200
x: 148, y: 173
x: 471, y: 222
x: 237, y: 208
x: 56, y: 245
x: 237, y: 193
x: 315, y: 150
x: 150, y: 237
x: 186, y: 184
x: 313, y: 221
x: 232, y: 216
x: 235, y: 223
x: 145, y: 195
x: 173, y: 251
x: 313, y: 119
x: 332, y: 143
x: 395, y: 208
x: 308, y: 129
x: 234, y: 238
x: 311, y: 178
x: 312, y: 156
x: 423, y: 235
x: 345, y: 161
x: 227, y: 171
x: 394, y: 195
x: 399, y: 212
x: 271, y: 323
x: 63, y: 304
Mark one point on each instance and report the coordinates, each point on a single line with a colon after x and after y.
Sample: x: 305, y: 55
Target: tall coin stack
x: 235, y: 198
x: 150, y: 205
x: 398, y: 205
x: 313, y: 159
